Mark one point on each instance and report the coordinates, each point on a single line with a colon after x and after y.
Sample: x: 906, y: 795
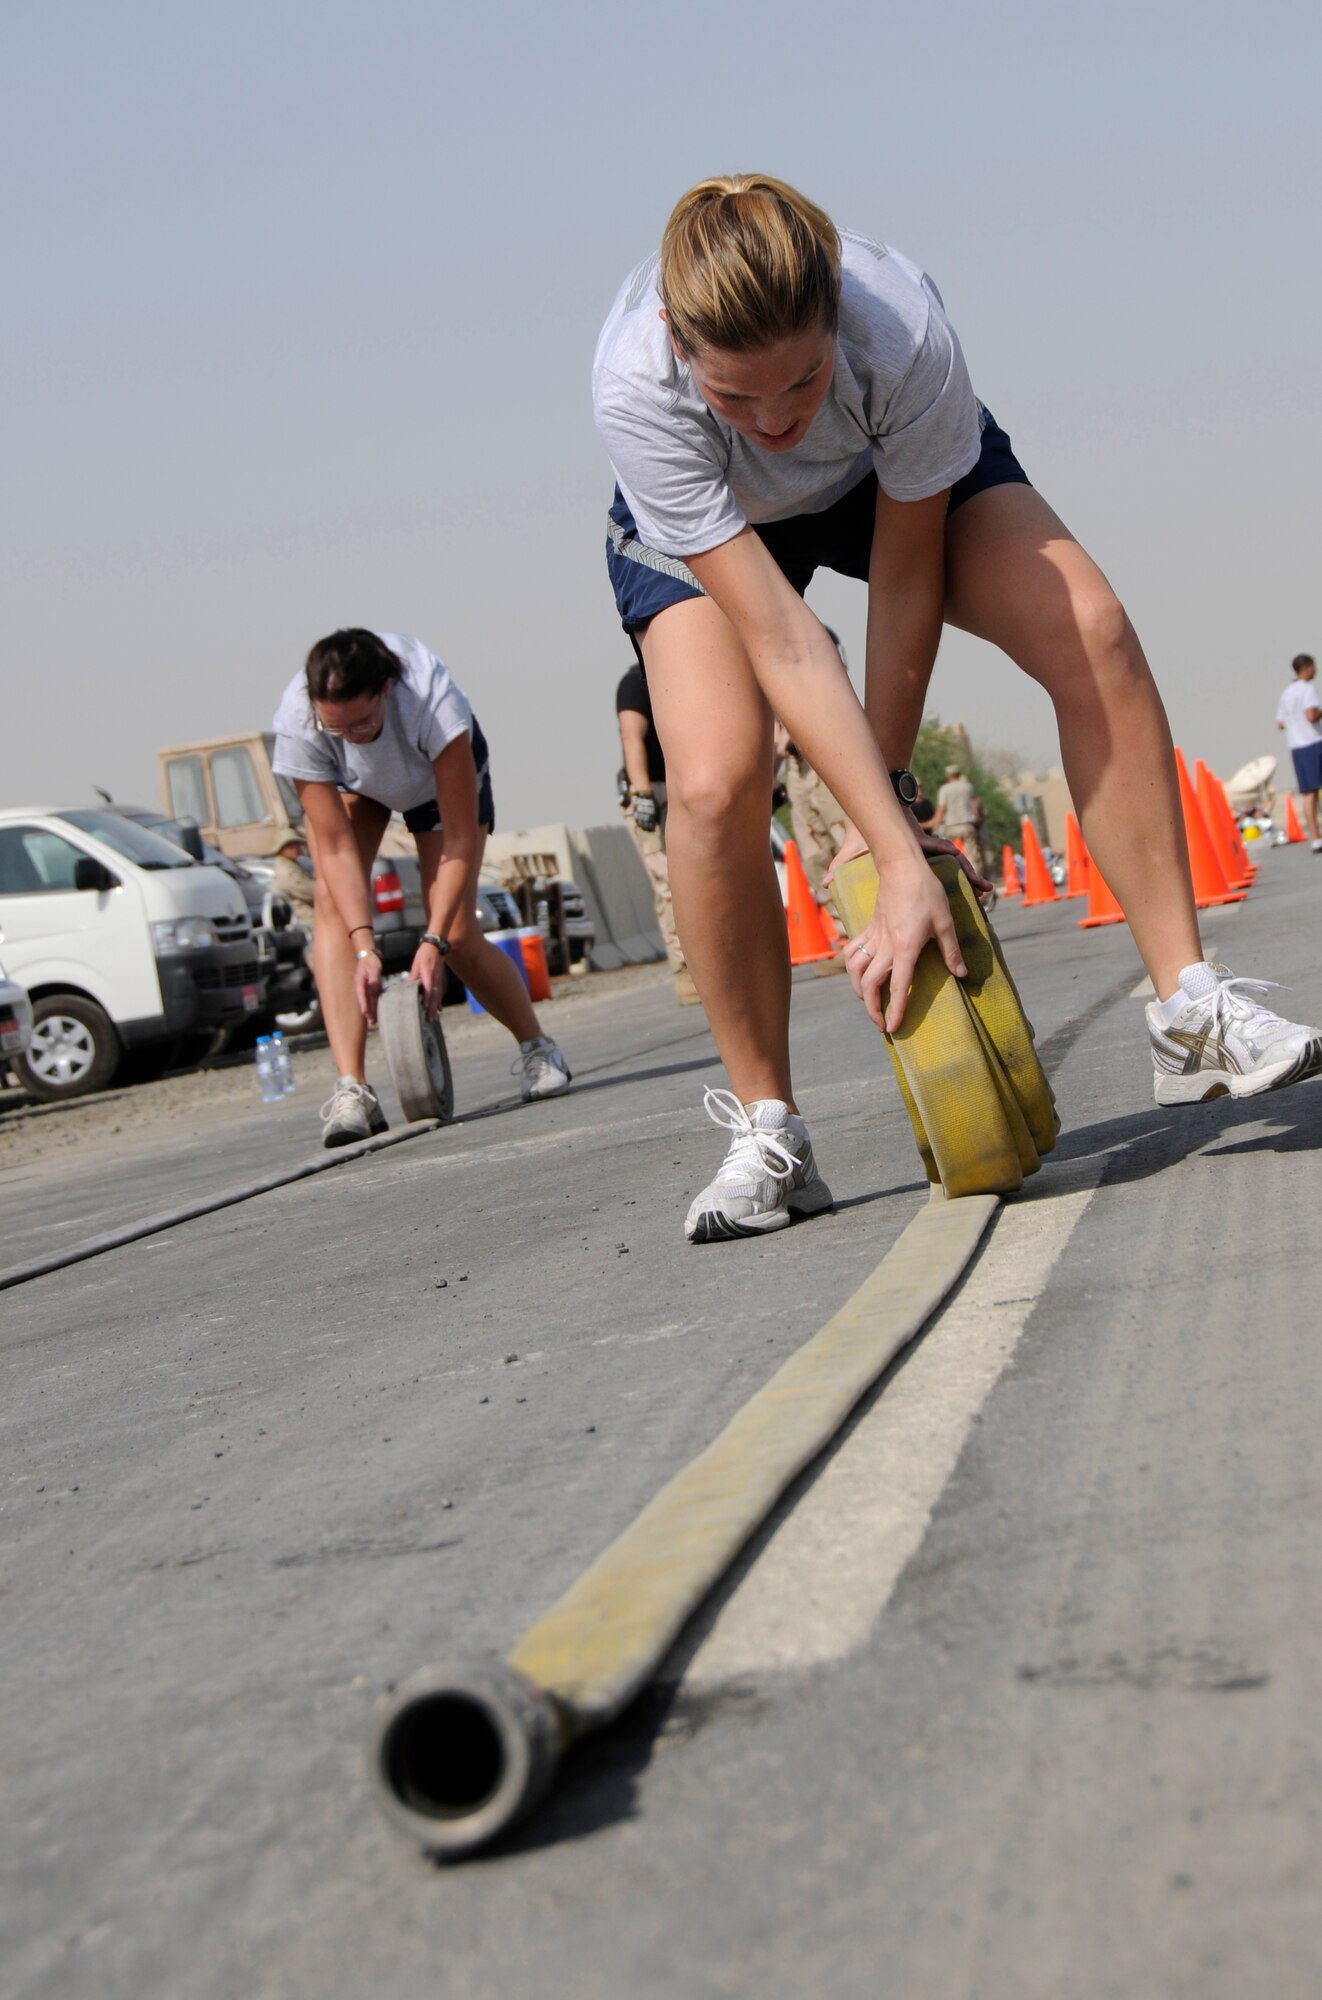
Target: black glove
x: 644, y: 812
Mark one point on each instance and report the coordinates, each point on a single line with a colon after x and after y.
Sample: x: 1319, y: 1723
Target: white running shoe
x: 541, y: 1069
x: 351, y: 1113
x: 1225, y: 1043
x: 768, y: 1177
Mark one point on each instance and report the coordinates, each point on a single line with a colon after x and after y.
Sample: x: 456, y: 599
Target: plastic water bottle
x: 284, y: 1063
x: 268, y: 1071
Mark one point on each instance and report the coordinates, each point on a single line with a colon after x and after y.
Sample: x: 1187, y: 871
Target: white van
x: 122, y: 940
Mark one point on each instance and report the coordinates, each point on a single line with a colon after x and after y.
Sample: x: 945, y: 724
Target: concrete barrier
x: 604, y: 863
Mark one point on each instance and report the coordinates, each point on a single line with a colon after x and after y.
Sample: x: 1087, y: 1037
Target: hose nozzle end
x: 458, y: 1756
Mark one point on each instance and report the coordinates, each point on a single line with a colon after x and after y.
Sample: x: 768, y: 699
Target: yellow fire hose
x: 458, y: 1755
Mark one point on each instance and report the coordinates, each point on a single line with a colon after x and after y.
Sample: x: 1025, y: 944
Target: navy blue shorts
x: 839, y: 538
x: 1308, y: 767
x: 426, y: 818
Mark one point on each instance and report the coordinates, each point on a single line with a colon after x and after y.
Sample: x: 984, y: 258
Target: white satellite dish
x: 1252, y: 780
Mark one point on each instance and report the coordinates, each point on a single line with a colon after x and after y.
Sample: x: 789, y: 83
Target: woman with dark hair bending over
x: 374, y: 724
x: 776, y: 395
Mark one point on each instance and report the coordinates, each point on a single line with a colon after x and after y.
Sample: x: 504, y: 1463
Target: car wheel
x: 302, y: 1021
x: 74, y: 1048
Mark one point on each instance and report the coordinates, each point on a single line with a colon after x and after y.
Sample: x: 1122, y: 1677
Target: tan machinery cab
x: 228, y: 787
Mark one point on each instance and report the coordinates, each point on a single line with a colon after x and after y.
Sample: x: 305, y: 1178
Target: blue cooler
x: 508, y: 942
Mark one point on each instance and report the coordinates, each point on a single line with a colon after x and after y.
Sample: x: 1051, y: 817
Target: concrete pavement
x: 1020, y: 1700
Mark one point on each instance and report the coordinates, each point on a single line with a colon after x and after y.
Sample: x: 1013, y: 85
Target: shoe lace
x: 1232, y: 1004
x: 357, y: 1093
x: 752, y: 1150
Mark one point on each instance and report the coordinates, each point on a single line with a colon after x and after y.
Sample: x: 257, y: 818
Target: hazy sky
x: 301, y: 301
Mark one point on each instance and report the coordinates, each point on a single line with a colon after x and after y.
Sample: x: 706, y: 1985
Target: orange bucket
x: 534, y: 963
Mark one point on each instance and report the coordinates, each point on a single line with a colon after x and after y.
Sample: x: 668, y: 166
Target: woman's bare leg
x: 492, y: 977
x: 333, y: 960
x: 715, y: 728
x: 1016, y: 576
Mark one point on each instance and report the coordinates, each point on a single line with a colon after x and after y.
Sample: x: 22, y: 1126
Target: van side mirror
x: 89, y: 873
x: 190, y: 838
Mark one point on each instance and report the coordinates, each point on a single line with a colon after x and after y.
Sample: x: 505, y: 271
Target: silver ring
x: 863, y: 952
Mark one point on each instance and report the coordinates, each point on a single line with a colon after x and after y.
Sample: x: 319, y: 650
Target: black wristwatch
x: 442, y: 944
x: 906, y: 786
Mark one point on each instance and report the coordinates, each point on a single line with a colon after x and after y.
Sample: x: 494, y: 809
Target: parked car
x: 282, y: 943
x: 400, y: 916
x: 123, y: 942
x: 15, y: 1020
x: 292, y: 1003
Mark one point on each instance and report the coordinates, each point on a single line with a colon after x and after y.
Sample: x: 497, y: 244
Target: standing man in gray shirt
x: 1299, y: 714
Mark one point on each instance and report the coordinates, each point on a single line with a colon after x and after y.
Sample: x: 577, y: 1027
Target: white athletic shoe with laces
x: 351, y: 1113
x: 768, y: 1177
x: 541, y: 1069
x: 1226, y: 1043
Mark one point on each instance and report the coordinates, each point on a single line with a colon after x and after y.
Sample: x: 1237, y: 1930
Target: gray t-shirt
x: 900, y: 401
x: 424, y: 711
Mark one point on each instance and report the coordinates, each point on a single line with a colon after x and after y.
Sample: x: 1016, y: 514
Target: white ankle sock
x: 1197, y: 982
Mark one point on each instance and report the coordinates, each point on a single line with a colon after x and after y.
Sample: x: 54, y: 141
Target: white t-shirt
x: 425, y: 710
x: 900, y: 401
x: 1299, y: 731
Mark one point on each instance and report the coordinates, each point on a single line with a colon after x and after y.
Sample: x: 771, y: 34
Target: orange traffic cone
x: 1293, y: 830
x: 1038, y: 885
x: 1102, y: 905
x: 1076, y: 859
x: 1233, y: 824
x: 808, y: 939
x: 1238, y: 875
x: 1209, y: 879
x: 1010, y: 883
x: 1216, y: 791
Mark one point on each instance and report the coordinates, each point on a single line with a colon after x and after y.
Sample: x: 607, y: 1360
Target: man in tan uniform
x: 816, y: 815
x: 291, y: 881
x: 643, y: 802
x: 959, y: 814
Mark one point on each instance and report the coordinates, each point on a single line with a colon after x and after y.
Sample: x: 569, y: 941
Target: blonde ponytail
x: 746, y: 260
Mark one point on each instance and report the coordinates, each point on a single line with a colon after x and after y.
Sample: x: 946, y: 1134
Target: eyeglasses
x: 369, y: 726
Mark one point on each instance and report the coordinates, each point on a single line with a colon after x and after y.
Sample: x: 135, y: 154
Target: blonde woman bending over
x: 777, y: 395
